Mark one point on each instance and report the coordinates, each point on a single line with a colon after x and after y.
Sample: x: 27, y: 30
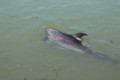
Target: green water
x: 24, y: 55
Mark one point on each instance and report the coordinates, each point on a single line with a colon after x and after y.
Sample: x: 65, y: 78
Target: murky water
x: 24, y: 55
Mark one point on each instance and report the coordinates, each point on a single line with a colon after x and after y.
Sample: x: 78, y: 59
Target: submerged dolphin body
x: 72, y: 41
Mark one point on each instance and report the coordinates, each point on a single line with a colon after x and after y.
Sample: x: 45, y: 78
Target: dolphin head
x: 54, y: 34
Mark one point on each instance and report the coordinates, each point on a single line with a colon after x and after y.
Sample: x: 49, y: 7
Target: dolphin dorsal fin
x: 79, y: 35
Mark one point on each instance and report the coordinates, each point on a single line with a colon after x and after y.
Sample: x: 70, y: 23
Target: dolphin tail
x: 97, y: 54
x: 102, y: 56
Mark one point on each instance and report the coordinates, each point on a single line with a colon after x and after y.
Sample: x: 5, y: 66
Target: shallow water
x: 24, y: 55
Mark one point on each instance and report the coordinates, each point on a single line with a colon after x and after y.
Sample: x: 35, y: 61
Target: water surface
x: 24, y: 55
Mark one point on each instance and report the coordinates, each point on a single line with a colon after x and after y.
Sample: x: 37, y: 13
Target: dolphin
x: 72, y: 41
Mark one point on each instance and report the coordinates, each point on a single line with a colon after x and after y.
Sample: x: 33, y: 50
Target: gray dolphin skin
x: 72, y: 41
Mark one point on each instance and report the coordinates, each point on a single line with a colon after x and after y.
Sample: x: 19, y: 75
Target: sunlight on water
x: 25, y: 56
